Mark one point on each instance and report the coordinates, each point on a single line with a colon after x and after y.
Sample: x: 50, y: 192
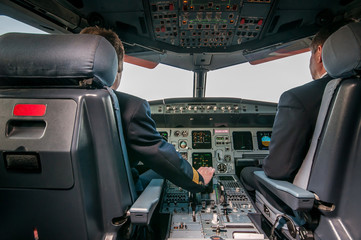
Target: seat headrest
x: 31, y: 57
x: 341, y: 54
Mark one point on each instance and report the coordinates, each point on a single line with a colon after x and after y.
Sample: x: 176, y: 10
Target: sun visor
x: 147, y: 61
x: 278, y: 51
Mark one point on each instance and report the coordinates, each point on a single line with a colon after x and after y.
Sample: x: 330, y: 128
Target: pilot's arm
x: 291, y: 132
x: 145, y: 144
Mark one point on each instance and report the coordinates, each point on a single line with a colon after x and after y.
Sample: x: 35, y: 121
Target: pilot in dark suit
x: 295, y: 121
x: 143, y: 141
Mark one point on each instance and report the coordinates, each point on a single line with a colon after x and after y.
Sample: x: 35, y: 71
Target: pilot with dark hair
x: 295, y: 120
x: 143, y: 141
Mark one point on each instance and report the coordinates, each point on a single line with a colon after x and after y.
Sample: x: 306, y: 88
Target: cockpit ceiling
x: 194, y: 34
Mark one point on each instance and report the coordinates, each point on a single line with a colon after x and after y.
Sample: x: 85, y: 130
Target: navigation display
x: 201, y: 139
x: 263, y: 139
x: 242, y: 141
x: 201, y: 160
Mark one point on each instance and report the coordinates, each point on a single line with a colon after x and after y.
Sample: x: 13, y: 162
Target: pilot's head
x: 316, y: 64
x: 113, y: 38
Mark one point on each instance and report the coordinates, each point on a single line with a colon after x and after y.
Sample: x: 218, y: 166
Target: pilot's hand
x: 207, y: 173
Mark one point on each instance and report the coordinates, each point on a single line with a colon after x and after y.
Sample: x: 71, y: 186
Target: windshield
x: 263, y: 82
x: 161, y: 82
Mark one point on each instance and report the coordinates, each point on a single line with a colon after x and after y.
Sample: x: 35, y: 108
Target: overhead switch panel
x: 196, y: 23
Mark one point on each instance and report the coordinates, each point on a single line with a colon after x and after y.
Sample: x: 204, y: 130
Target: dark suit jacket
x: 145, y: 144
x: 293, y: 129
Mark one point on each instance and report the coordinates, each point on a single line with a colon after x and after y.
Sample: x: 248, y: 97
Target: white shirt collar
x: 323, y: 75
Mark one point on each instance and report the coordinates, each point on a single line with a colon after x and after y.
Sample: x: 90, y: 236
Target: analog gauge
x: 177, y: 133
x: 222, y: 168
x: 227, y: 158
x: 183, y: 144
x: 185, y: 133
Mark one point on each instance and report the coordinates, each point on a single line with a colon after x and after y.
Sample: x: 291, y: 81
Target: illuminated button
x: 260, y: 22
x: 162, y: 28
x: 242, y: 21
x: 215, y: 108
x: 215, y: 218
x: 195, y: 108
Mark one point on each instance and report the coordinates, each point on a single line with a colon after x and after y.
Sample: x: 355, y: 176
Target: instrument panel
x: 221, y: 148
x: 224, y: 134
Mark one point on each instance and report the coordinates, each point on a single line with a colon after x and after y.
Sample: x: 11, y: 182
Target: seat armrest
x: 142, y: 210
x: 295, y: 197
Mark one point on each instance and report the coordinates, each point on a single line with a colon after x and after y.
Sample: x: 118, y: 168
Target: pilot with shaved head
x: 295, y: 120
x: 143, y: 141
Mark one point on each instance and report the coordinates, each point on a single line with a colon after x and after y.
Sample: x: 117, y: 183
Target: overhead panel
x: 197, y: 23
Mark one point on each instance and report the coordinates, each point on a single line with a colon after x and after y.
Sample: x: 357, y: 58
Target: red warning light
x: 242, y: 21
x: 30, y: 110
x: 36, y: 234
x: 171, y: 7
x: 260, y: 22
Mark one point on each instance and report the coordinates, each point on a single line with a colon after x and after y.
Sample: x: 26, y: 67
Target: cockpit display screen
x: 164, y: 135
x: 201, y: 139
x: 201, y: 160
x: 242, y: 140
x: 264, y: 139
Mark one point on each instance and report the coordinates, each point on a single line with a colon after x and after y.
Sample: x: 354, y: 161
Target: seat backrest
x: 63, y: 171
x: 335, y: 175
x: 303, y: 175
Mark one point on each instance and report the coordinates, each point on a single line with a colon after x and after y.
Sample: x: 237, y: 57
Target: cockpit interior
x: 64, y: 167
